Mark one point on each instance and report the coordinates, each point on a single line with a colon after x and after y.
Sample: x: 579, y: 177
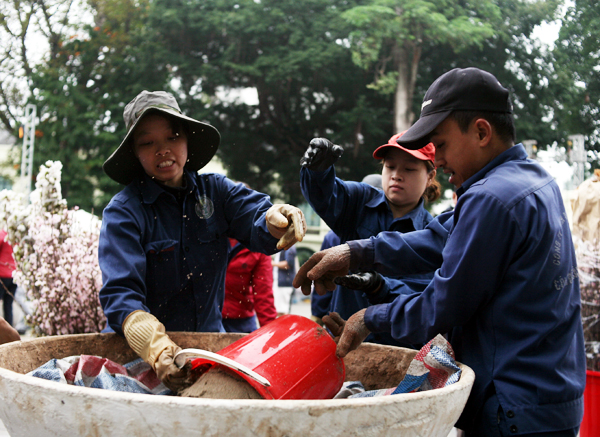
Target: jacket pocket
x: 163, y: 270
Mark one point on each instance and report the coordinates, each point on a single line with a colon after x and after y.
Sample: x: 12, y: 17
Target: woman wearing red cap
x: 357, y: 210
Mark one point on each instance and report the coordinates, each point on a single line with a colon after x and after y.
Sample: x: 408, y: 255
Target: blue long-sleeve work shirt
x: 319, y: 304
x: 165, y: 251
x: 356, y: 210
x: 286, y: 277
x: 506, y: 287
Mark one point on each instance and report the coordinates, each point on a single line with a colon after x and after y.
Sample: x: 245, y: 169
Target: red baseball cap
x: 426, y: 153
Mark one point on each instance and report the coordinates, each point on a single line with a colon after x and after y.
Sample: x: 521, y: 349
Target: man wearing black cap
x: 506, y: 285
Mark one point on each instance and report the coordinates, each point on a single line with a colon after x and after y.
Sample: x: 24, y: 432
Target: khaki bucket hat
x: 203, y: 139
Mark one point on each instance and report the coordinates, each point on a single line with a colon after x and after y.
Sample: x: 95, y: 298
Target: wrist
x: 146, y: 336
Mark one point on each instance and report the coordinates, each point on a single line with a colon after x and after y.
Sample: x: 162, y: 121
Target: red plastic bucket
x: 294, y: 353
x: 590, y: 426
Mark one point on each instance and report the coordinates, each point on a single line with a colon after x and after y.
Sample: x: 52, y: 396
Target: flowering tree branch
x: 57, y: 261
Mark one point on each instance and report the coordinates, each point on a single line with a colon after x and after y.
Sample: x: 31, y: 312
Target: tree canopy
x: 353, y: 71
x: 575, y: 75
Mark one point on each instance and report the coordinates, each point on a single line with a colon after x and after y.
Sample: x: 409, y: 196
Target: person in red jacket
x: 248, y: 290
x: 8, y: 287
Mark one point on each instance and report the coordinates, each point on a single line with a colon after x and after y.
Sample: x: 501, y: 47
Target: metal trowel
x: 184, y: 355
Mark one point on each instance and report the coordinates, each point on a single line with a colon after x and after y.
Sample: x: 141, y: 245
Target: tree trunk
x: 406, y: 66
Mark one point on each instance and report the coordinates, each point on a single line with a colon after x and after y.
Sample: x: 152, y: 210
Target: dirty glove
x: 349, y: 334
x: 167, y: 371
x: 367, y: 282
x: 321, y: 154
x: 147, y: 337
x: 287, y: 223
x: 322, y: 268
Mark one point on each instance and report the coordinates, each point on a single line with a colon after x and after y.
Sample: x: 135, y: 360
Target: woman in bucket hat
x: 356, y: 210
x: 165, y: 237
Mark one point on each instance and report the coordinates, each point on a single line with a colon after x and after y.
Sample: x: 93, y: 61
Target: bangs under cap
x: 426, y: 153
x: 468, y: 89
x: 202, y: 143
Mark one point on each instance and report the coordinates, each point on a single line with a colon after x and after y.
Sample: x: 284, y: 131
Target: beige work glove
x: 286, y: 223
x: 348, y: 334
x: 322, y: 268
x: 147, y: 337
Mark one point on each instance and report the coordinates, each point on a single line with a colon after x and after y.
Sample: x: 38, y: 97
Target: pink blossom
x: 57, y: 263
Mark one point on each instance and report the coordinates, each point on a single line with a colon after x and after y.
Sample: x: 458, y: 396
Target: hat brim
x: 378, y: 153
x: 417, y: 136
x: 203, y: 142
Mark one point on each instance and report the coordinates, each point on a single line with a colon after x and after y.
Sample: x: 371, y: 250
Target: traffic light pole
x: 28, y: 142
x: 578, y: 157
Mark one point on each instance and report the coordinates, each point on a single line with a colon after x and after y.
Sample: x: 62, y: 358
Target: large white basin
x: 32, y: 407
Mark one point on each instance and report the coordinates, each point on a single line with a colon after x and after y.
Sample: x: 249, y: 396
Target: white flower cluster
x: 57, y: 262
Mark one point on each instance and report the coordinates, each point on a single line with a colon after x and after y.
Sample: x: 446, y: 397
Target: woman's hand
x: 287, y: 223
x: 321, y: 154
x: 172, y: 377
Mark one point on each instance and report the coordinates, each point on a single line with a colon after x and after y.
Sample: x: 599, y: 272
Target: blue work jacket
x: 167, y: 254
x: 286, y: 277
x: 356, y: 210
x: 319, y: 304
x: 506, y: 288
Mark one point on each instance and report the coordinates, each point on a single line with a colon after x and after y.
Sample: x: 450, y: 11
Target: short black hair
x: 178, y: 125
x: 502, y: 122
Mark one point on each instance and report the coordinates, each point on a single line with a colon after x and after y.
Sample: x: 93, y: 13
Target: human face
x: 404, y: 179
x: 458, y: 153
x: 162, y: 152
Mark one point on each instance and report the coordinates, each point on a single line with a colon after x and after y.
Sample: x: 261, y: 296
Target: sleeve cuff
x: 377, y: 318
x: 362, y: 254
x: 380, y: 295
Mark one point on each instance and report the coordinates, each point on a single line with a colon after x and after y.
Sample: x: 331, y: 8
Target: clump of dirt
x: 218, y: 383
x: 378, y: 366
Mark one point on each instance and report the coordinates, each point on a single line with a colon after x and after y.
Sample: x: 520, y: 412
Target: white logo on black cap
x: 425, y: 103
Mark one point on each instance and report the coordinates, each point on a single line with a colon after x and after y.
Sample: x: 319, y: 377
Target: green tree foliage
x: 518, y: 61
x: 292, y: 53
x: 388, y: 38
x: 24, y: 25
x: 81, y: 92
x: 307, y: 60
x: 316, y: 68
x: 575, y: 77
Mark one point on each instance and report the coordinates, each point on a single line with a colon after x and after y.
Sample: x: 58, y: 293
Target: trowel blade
x: 185, y: 354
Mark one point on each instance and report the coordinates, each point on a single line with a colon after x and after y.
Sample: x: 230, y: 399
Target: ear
x: 431, y: 176
x: 483, y: 130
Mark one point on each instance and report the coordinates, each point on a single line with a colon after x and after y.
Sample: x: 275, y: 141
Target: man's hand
x: 287, y: 223
x: 349, y: 334
x: 322, y: 268
x: 367, y: 282
x: 172, y: 377
x: 321, y: 154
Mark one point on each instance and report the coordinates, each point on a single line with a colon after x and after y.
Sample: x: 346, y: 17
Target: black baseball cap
x: 464, y: 89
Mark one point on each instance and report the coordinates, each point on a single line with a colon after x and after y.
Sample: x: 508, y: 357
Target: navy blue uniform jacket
x: 506, y: 287
x: 168, y: 256
x: 356, y: 210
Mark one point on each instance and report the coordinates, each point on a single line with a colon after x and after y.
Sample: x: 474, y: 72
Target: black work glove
x: 321, y: 154
x: 367, y: 282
